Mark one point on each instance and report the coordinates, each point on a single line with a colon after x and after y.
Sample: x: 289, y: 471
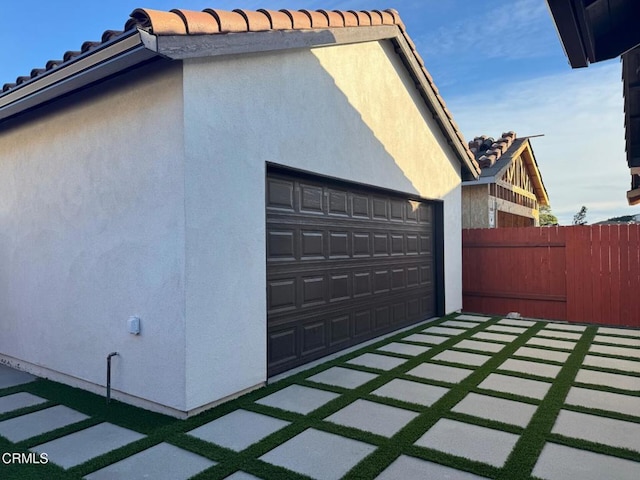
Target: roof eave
x: 125, y: 51
x: 568, y: 29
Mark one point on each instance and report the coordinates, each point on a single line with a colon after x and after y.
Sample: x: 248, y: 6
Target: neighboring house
x: 596, y: 30
x: 260, y: 188
x: 509, y: 191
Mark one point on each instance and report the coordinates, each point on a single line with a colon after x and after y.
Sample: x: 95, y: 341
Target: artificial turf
x: 160, y: 428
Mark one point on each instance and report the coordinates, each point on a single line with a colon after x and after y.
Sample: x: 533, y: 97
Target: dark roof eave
x: 568, y: 29
x: 127, y: 50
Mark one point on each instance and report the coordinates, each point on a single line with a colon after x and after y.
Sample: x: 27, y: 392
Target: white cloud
x: 511, y: 30
x: 581, y: 157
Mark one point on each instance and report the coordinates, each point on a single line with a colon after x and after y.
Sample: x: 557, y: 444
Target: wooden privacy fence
x: 585, y: 274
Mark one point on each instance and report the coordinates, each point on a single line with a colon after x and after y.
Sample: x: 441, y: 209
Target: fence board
x: 581, y: 274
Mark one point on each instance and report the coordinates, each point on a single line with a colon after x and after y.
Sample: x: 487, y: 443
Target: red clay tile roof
x: 487, y: 150
x: 215, y: 22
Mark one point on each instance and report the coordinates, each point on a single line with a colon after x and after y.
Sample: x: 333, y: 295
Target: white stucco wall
x: 91, y: 232
x: 350, y: 112
x: 145, y: 196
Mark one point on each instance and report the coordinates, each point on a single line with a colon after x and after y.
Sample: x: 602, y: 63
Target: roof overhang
x: 595, y: 30
x: 121, y: 53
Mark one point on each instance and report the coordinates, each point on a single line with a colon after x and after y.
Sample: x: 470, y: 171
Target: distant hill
x: 620, y: 219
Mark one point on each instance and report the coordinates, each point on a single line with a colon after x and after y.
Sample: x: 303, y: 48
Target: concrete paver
x: 594, y: 428
x: 299, y: 399
x: 318, y: 454
x: 78, y: 447
x: 623, y: 382
x: 499, y: 337
x: 506, y: 328
x: 412, y: 392
x: 473, y: 318
x: 405, y: 467
x: 566, y: 326
x: 559, y: 462
x: 534, y: 368
x: 479, y: 346
x: 541, y: 354
x: 555, y: 333
x: 630, y: 342
x: 498, y: 409
x: 612, y: 363
x: 241, y: 476
x: 32, y: 424
x: 373, y: 417
x: 378, y: 362
x: 444, y: 331
x: 515, y: 385
x: 343, y: 377
x: 458, y: 324
x: 10, y: 377
x: 238, y: 429
x: 516, y: 323
x: 613, y: 402
x: 463, y: 358
x: 619, y: 331
x: 547, y: 342
x: 428, y: 339
x: 617, y: 351
x: 160, y: 462
x: 443, y: 373
x: 470, y: 441
x: 19, y: 400
x: 404, y: 349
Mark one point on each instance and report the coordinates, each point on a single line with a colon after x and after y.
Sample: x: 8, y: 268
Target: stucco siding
x: 350, y: 112
x: 92, y: 232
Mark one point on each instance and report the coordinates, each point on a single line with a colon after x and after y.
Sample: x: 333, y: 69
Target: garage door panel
x: 281, y: 244
x: 340, y: 330
x: 344, y: 264
x: 339, y: 245
x: 338, y: 203
x: 281, y: 295
x: 314, y: 337
x: 280, y: 194
x: 311, y: 199
x: 282, y: 347
x: 362, y: 322
x: 382, y: 317
x: 312, y: 244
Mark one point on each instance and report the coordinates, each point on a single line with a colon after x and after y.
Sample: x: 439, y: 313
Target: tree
x: 580, y: 218
x: 547, y: 218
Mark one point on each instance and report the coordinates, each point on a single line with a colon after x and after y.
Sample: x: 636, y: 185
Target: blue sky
x: 498, y: 64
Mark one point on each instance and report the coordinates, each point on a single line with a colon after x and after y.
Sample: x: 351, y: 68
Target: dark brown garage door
x: 345, y: 263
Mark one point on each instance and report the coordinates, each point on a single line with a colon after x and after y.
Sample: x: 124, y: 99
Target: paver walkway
x: 463, y: 397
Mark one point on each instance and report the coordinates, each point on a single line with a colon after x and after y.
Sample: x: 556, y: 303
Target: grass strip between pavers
x: 525, y: 454
x: 160, y: 428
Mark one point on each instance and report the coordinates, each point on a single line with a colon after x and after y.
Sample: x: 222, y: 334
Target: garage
x: 345, y: 263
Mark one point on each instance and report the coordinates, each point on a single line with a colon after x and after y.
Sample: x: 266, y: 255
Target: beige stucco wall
x: 92, y: 232
x: 349, y: 112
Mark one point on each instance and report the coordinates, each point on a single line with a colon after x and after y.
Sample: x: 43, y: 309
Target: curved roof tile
x: 198, y: 23
x: 318, y: 19
x: 227, y: 21
x: 256, y: 21
x: 299, y: 19
x: 279, y: 20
